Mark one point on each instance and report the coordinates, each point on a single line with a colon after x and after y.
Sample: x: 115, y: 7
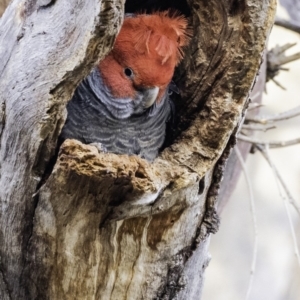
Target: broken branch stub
x: 109, y: 226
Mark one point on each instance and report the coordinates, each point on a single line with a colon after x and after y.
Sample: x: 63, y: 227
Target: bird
x: 124, y: 104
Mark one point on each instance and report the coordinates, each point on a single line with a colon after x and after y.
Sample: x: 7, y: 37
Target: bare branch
x: 254, y: 221
x: 288, y: 24
x: 278, y: 83
x: 256, y: 127
x: 279, y: 177
x: 294, y: 112
x: 270, y: 144
x: 276, y: 57
x: 255, y: 105
x: 253, y: 97
x: 280, y: 182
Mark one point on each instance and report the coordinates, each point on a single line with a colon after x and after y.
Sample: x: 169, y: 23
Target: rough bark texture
x: 102, y: 226
x: 49, y: 47
x: 233, y: 167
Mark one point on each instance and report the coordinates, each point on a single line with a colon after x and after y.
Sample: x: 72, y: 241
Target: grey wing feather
x: 94, y: 116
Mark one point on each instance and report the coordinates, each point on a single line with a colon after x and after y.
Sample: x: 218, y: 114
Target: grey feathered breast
x: 122, y: 126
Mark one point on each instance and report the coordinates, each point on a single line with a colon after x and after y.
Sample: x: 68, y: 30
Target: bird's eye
x: 128, y: 72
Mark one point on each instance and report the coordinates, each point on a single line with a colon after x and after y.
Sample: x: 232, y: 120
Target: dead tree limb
x: 101, y: 226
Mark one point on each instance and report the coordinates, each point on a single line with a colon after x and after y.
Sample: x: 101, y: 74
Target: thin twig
x: 254, y: 105
x: 284, y: 69
x: 254, y: 221
x: 290, y: 58
x: 279, y: 117
x: 276, y: 56
x: 287, y: 24
x: 253, y: 97
x: 281, y: 49
x: 278, y: 84
x: 257, y: 127
x: 280, y: 182
x: 270, y: 144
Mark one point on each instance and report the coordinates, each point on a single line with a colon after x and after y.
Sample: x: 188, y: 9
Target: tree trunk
x: 233, y: 166
x: 90, y: 225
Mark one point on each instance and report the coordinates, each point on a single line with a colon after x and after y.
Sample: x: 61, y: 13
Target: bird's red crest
x: 150, y: 45
x: 165, y: 33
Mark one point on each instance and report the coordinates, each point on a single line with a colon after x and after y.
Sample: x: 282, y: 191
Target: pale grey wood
x: 102, y: 226
x: 45, y: 51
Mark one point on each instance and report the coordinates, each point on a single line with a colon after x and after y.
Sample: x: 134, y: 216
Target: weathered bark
x: 233, y: 166
x: 102, y: 226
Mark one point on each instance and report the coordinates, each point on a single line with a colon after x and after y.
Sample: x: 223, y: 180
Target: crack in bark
x: 220, y: 168
x: 30, y: 228
x: 174, y: 282
x: 45, y: 3
x: 4, y: 280
x: 2, y: 119
x: 211, y: 220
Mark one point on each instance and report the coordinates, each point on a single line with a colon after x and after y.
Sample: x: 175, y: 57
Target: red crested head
x: 145, y: 54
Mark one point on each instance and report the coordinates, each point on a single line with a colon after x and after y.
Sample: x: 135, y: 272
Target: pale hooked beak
x: 150, y: 95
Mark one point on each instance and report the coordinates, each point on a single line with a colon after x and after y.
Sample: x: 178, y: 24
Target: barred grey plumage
x: 122, y: 126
